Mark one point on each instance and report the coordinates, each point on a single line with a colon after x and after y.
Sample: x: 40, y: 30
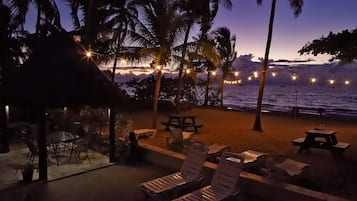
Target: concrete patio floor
x: 12, y: 163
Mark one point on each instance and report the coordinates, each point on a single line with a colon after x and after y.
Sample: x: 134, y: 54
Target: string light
x: 313, y: 80
x: 273, y: 74
x: 236, y: 73
x: 231, y: 82
x: 159, y: 67
x: 331, y: 81
x: 294, y: 77
x: 347, y: 82
x: 255, y: 73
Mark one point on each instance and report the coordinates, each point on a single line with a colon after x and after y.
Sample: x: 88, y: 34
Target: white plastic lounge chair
x: 216, y: 150
x: 178, y: 139
x: 144, y: 133
x: 289, y: 170
x: 291, y: 167
x: 253, y: 160
x: 189, y: 174
x: 224, y: 181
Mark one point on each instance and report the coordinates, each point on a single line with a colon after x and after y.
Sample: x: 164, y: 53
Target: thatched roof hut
x: 58, y: 74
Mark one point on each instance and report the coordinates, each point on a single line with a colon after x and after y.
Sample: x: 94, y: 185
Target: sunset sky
x: 249, y: 22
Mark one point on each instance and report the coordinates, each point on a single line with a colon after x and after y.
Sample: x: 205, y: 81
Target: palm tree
x: 225, y: 45
x: 10, y: 57
x: 203, y: 12
x: 296, y: 5
x: 46, y: 10
x: 119, y: 16
x: 91, y: 17
x: 157, y: 33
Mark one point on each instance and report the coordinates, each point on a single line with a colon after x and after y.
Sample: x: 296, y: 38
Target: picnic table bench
x: 184, y: 122
x: 321, y: 139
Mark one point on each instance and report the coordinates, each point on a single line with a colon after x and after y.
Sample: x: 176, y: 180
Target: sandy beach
x: 327, y: 174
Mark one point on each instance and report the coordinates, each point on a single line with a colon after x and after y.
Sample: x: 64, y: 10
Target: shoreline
x: 323, y: 116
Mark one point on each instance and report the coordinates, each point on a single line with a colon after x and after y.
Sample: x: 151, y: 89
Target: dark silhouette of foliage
x: 342, y: 46
x: 143, y: 89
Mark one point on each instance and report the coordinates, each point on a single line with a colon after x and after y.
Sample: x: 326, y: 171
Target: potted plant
x: 27, y: 173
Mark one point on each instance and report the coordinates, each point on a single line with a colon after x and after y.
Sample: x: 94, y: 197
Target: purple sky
x: 249, y: 23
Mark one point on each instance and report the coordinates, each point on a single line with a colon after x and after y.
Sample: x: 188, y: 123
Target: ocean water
x: 340, y: 100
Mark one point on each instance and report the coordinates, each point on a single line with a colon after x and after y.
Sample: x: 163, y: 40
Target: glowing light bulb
x: 331, y: 81
x: 88, y: 54
x: 158, y: 67
x: 293, y: 77
x: 249, y: 78
x: 347, y: 82
x: 273, y: 74
x: 236, y: 73
x: 214, y: 73
x: 313, y: 80
x: 188, y: 71
x: 255, y: 73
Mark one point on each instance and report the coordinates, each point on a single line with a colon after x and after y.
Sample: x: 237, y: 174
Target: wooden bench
x: 339, y: 148
x: 183, y: 126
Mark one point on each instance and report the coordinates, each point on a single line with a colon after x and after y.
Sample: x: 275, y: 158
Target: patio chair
x: 178, y: 139
x: 224, y: 181
x: 188, y: 176
x: 82, y: 145
x: 33, y: 149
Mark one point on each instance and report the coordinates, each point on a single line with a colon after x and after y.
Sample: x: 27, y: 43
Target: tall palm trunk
x: 207, y: 88
x: 224, y: 76
x: 38, y: 20
x: 156, y: 98
x: 257, y: 124
x: 4, y: 144
x: 180, y: 76
x: 114, y: 67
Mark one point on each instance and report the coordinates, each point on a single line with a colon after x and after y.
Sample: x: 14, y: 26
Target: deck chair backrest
x: 192, y: 165
x: 176, y: 134
x: 227, y: 173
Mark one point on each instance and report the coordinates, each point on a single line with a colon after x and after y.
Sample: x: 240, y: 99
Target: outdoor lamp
x: 88, y: 54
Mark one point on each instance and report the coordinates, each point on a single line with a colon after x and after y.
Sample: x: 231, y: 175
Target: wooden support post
x: 112, y: 115
x: 42, y: 145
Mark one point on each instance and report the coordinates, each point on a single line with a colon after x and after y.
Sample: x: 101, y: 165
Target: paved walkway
x: 114, y: 183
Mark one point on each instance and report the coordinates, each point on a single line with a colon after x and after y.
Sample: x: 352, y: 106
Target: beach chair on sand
x: 177, y: 139
x: 253, y: 160
x: 224, y: 181
x: 290, y: 171
x: 189, y: 175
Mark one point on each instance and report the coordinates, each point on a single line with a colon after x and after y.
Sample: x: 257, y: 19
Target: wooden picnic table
x: 183, y: 122
x: 321, y: 139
